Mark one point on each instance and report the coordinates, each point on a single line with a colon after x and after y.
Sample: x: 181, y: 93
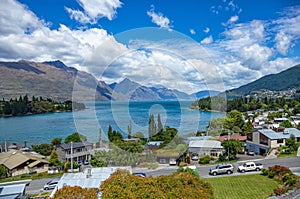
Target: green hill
x: 288, y: 79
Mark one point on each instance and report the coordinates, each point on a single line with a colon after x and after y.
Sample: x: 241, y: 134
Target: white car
x: 250, y: 166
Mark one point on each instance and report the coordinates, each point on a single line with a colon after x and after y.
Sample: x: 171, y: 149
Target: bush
x: 178, y: 185
x: 183, y: 164
x: 281, y: 189
x: 205, y: 159
x: 289, y: 179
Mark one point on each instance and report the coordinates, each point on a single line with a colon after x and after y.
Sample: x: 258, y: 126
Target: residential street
x: 293, y: 163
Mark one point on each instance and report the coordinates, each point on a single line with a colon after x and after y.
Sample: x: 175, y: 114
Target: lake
x: 42, y: 128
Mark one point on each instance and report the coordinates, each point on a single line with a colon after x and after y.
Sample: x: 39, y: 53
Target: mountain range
x: 55, y: 80
x: 284, y: 80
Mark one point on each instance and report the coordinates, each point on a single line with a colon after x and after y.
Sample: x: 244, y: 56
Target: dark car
x: 143, y: 175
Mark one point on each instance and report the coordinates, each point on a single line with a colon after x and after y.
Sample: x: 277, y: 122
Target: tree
x: 286, y: 124
x: 152, y: 126
x: 75, y: 137
x: 121, y: 184
x: 247, y: 128
x: 129, y: 129
x: 56, y: 141
x: 53, y: 159
x: 291, y: 143
x: 138, y: 135
x: 233, y: 146
x: 159, y: 124
x: 3, y: 172
x: 76, y: 192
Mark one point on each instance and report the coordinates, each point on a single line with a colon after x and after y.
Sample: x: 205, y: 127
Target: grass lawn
x: 284, y: 155
x: 252, y: 186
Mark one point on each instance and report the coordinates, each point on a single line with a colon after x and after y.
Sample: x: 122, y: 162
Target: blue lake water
x: 42, y: 128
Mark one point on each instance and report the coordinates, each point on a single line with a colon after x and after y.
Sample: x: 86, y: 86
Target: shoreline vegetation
x: 37, y: 105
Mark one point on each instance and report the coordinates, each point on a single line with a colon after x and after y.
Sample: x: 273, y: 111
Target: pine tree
x: 152, y: 126
x: 129, y: 129
x: 53, y: 159
x: 159, y: 124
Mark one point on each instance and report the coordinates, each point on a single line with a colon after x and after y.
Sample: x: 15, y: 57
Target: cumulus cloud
x: 159, y: 19
x: 207, y: 40
x: 287, y: 29
x: 94, y: 10
x: 25, y: 36
x: 244, y: 52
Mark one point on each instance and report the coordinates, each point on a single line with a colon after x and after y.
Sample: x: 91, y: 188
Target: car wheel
x: 229, y: 172
x: 46, y: 188
x: 243, y: 171
x: 214, y: 173
x: 257, y: 169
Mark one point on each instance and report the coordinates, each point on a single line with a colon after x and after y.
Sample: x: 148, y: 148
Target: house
x: 263, y: 140
x: 153, y: 145
x: 168, y: 157
x: 89, y: 178
x: 233, y: 136
x: 81, y: 151
x: 13, y: 190
x: 200, y: 148
x: 19, y: 162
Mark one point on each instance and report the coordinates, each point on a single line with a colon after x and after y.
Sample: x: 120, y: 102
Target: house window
x: 250, y: 137
x: 263, y: 141
x: 214, y: 154
x: 279, y: 141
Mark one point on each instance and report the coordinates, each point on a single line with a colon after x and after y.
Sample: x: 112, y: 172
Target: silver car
x: 51, y: 184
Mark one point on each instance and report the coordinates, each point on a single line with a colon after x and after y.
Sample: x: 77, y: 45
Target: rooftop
x: 280, y: 135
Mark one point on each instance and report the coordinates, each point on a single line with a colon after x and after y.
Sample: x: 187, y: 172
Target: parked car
x: 221, y: 169
x: 51, y: 184
x: 250, y: 166
x: 143, y: 175
x: 251, y: 153
x: 195, y: 158
x: 172, y: 161
x: 86, y: 162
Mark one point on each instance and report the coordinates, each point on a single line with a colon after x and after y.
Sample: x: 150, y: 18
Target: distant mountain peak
x: 56, y: 63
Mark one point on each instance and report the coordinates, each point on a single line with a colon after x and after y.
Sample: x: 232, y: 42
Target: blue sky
x: 188, y: 45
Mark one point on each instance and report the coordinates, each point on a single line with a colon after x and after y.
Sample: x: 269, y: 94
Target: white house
x: 200, y: 148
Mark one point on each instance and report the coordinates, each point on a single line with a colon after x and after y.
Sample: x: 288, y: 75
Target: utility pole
x: 71, y: 156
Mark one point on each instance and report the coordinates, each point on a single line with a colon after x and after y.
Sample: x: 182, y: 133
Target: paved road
x: 293, y: 163
x: 36, y: 186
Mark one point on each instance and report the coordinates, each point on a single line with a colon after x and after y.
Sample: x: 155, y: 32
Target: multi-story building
x: 261, y: 141
x: 79, y: 151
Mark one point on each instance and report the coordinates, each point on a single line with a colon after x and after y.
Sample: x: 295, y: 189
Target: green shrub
x: 289, y: 179
x: 205, y: 159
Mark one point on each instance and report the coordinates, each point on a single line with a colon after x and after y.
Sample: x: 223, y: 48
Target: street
x: 293, y: 163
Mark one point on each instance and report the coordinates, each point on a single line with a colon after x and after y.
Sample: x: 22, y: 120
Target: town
x: 239, y: 137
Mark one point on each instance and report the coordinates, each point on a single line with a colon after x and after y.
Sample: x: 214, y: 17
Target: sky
x: 186, y: 45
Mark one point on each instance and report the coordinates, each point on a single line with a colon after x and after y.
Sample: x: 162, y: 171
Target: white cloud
x: 232, y: 20
x: 287, y: 29
x: 192, y: 31
x: 94, y: 10
x: 159, y: 19
x: 24, y: 36
x: 206, y: 30
x: 283, y: 42
x: 207, y: 40
x: 241, y: 55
